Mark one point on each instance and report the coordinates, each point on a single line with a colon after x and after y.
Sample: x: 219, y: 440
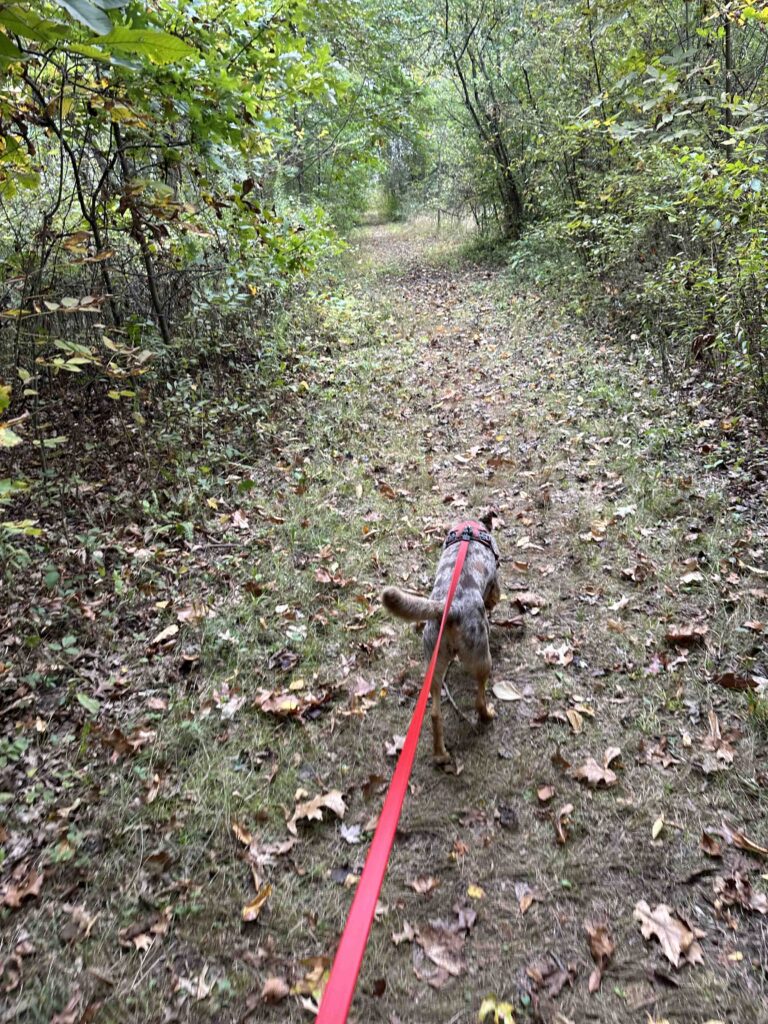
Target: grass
x: 339, y: 452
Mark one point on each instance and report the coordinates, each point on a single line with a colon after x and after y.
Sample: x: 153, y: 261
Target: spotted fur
x: 466, y: 631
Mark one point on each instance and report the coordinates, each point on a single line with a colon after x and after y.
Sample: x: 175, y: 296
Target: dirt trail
x: 612, y: 538
x: 634, y: 576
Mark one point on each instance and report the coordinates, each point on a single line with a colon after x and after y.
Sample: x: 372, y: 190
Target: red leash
x: 340, y: 989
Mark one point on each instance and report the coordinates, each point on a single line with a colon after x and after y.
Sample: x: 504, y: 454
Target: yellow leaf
x: 658, y: 825
x: 252, y: 910
x: 575, y: 720
x: 475, y: 892
x: 503, y: 1013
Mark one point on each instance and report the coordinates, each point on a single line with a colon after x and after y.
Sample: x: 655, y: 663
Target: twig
x: 453, y: 705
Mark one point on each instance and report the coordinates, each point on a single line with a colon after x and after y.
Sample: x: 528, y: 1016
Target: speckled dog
x: 466, y: 631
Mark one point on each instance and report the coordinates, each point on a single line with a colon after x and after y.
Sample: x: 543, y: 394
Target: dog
x: 466, y: 634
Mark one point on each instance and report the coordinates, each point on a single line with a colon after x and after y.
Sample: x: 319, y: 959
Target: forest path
x: 627, y: 556
x: 232, y: 679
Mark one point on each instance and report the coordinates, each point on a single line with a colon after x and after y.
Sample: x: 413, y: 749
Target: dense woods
x: 285, y: 286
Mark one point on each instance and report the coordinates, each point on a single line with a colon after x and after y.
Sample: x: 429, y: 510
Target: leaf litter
x: 606, y: 670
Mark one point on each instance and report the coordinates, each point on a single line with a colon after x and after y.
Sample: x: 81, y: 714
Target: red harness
x: 337, y: 998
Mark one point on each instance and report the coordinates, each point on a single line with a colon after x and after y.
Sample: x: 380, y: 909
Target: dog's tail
x: 411, y: 607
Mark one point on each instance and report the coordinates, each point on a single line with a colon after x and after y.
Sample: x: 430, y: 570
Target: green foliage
x: 628, y: 140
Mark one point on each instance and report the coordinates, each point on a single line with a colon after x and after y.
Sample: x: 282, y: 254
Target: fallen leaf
x: 610, y: 755
x: 563, y: 823
x: 408, y: 934
x: 241, y: 833
x: 691, y: 579
x: 506, y: 691
x: 423, y: 885
x: 503, y: 1013
x: 688, y: 635
x: 562, y: 655
x: 594, y: 774
x: 442, y: 944
x: 738, y: 681
x: 710, y: 845
x: 742, y: 841
x: 658, y: 825
x: 252, y: 910
x: 575, y: 720
x: 394, y: 746
x: 736, y: 890
x: 676, y: 939
x: 24, y: 885
x: 285, y: 660
x: 527, y: 599
x: 551, y: 975
x: 275, y: 990
x: 545, y: 793
x: 351, y: 834
x: 475, y: 892
x: 314, y: 981
x: 526, y: 896
x: 71, y: 1014
x: 142, y: 934
x: 312, y: 810
x: 602, y: 947
x: 164, y: 634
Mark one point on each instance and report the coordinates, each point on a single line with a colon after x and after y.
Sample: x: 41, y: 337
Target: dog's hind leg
x: 440, y: 754
x: 481, y: 670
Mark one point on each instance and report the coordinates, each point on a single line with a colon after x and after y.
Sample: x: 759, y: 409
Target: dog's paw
x: 441, y: 758
x: 486, y: 713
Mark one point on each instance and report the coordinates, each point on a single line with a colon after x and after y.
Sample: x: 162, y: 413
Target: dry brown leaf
x: 72, y: 1012
x: 165, y: 634
x: 737, y: 890
x: 241, y: 833
x: 526, y: 896
x: 610, y: 755
x: 594, y: 774
x: 714, y: 741
x: 737, y: 681
x: 742, y: 841
x: 710, y: 845
x: 688, y: 635
x: 423, y: 885
x: 677, y: 940
x: 24, y: 885
x: 602, y: 947
x: 527, y: 599
x: 142, y: 934
x: 575, y: 719
x: 394, y: 746
x: 314, y: 981
x: 312, y: 810
x: 546, y: 973
x: 275, y: 990
x: 443, y: 946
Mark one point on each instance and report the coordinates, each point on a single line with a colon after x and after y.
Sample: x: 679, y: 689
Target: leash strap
x: 340, y: 989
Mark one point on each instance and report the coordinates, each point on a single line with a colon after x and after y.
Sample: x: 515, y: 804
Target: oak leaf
x: 312, y: 810
x: 677, y: 940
